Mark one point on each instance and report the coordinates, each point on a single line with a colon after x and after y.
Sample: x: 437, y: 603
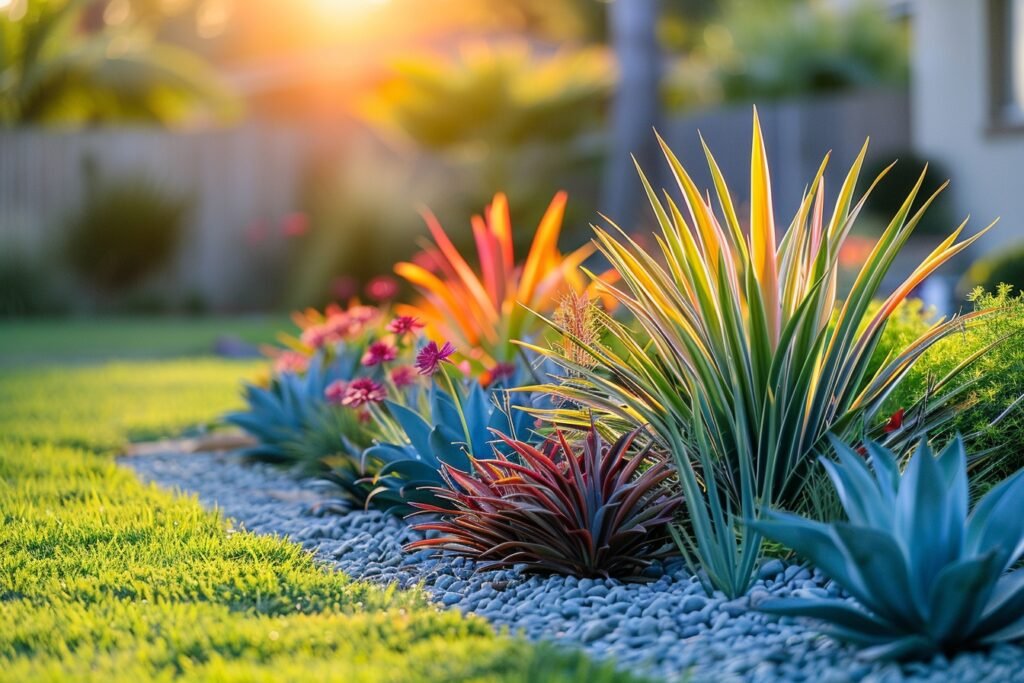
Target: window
x: 1007, y: 62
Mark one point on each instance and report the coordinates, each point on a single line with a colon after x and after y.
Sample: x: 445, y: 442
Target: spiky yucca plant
x: 480, y: 311
x: 599, y: 511
x: 747, y: 357
x: 927, y: 577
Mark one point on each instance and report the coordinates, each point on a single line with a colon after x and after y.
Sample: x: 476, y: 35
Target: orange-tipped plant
x: 483, y: 309
x: 748, y: 358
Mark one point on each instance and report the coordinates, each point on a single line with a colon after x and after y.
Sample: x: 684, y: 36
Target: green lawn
x: 78, y: 340
x: 105, y: 579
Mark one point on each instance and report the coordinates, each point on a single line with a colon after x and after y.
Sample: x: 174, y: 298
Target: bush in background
x: 1004, y: 266
x: 779, y: 48
x: 26, y: 289
x: 127, y: 230
x: 889, y: 194
x: 995, y: 380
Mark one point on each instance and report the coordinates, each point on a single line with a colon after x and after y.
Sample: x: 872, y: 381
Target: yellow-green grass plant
x: 745, y: 357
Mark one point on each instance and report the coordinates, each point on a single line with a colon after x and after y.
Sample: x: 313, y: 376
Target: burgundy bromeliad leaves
x: 598, y: 511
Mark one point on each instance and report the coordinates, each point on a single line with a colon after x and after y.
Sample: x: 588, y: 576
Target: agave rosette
x: 419, y: 439
x: 278, y: 415
x: 746, y: 357
x: 597, y: 511
x: 927, y: 577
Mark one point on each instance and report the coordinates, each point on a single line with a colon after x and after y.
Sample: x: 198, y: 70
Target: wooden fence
x: 798, y: 134
x: 247, y: 179
x: 237, y: 181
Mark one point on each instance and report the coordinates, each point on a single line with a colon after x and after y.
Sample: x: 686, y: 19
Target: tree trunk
x: 636, y: 106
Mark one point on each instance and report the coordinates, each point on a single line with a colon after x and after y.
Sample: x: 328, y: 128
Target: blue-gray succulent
x: 927, y: 576
x: 436, y: 436
x: 278, y: 415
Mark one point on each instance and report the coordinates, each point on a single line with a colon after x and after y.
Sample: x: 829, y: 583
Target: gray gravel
x: 666, y: 628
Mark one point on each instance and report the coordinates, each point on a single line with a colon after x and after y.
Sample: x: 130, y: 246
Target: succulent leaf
x: 928, y: 579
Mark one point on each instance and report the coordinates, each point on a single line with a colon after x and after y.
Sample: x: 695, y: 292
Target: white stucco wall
x: 950, y: 117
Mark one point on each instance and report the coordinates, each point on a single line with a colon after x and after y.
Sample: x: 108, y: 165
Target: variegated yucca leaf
x: 743, y: 357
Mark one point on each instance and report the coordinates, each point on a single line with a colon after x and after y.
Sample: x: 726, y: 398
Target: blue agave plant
x: 927, y: 577
x: 278, y: 415
x: 437, y: 437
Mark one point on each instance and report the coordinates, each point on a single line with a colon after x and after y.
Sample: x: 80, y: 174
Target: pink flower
x: 335, y: 391
x: 361, y: 391
x: 339, y: 326
x: 404, y: 324
x: 344, y: 287
x: 295, y: 224
x: 256, y: 233
x: 382, y: 288
x: 363, y: 314
x: 379, y: 352
x: 403, y: 376
x: 290, y: 361
x: 430, y: 357
x: 315, y: 336
x: 498, y: 373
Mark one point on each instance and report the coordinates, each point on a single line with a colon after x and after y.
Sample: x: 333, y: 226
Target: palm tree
x: 55, y: 69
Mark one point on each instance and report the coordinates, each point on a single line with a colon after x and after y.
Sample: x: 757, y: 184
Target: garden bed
x: 666, y: 626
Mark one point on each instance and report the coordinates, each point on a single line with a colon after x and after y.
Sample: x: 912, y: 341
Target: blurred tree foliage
x: 505, y: 116
x: 767, y: 49
x: 85, y: 61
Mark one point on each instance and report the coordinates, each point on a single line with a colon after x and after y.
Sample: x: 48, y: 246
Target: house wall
x: 950, y: 117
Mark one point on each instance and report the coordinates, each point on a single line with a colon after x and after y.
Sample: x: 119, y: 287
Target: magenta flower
x: 430, y: 357
x: 403, y: 376
x: 335, y: 391
x: 382, y: 288
x: 362, y: 391
x: 344, y: 287
x: 379, y: 352
x: 404, y: 324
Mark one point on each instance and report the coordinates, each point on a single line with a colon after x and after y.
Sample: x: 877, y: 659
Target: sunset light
x: 511, y: 340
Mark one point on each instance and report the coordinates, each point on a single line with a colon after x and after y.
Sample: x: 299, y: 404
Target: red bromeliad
x: 595, y: 512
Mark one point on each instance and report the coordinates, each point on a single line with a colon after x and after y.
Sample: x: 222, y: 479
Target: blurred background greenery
x: 188, y: 156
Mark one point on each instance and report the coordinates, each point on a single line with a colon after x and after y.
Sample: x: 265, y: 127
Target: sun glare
x: 345, y: 7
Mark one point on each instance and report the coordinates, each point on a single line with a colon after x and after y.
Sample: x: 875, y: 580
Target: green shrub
x: 780, y: 48
x: 1005, y: 266
x: 996, y: 379
x: 25, y: 289
x: 890, y: 193
x: 748, y: 358
x: 127, y: 230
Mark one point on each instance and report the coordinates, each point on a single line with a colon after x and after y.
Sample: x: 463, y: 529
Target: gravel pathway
x: 667, y: 628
